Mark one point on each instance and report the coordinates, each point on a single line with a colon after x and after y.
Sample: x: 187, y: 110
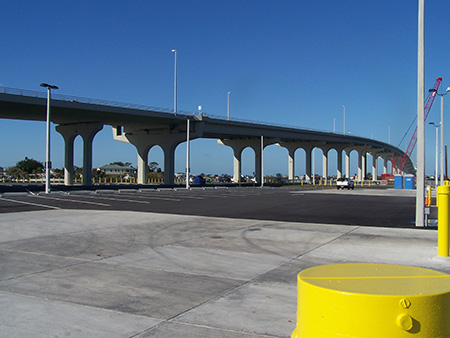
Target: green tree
x: 30, y: 166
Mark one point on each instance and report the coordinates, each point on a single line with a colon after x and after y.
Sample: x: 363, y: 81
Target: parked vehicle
x: 344, y: 182
x: 200, y: 180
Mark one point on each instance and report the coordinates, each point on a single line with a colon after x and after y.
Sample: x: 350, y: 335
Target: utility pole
x: 420, y: 189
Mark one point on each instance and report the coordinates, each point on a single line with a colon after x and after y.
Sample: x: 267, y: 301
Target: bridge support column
x: 291, y: 148
x: 238, y: 145
x: 69, y: 132
x: 308, y: 163
x: 374, y: 167
x: 361, y: 164
x: 88, y: 134
x: 324, y: 163
x: 347, y: 162
x: 339, y: 163
x: 143, y: 141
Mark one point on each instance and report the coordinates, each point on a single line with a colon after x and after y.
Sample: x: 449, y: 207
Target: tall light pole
x: 228, y: 105
x: 175, y: 84
x: 344, y: 118
x: 420, y: 189
x: 187, y: 155
x: 262, y: 161
x: 48, y: 164
x: 437, y: 156
x: 442, y: 135
x: 334, y: 125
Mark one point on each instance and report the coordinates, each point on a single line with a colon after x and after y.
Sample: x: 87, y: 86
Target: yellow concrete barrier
x: 443, y: 193
x: 372, y: 300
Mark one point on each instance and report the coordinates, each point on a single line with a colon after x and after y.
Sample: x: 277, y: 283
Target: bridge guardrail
x: 109, y: 103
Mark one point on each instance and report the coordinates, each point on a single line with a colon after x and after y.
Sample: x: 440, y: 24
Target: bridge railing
x: 108, y: 103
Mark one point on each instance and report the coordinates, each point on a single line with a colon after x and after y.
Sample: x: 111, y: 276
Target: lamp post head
x: 174, y: 50
x: 49, y: 86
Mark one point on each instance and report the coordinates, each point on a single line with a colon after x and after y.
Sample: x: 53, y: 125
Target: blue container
x: 410, y: 182
x: 398, y: 182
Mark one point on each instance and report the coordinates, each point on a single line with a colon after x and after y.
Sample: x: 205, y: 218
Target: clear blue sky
x: 291, y: 62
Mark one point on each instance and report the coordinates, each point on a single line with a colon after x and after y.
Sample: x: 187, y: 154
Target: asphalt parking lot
x: 367, y: 207
x: 207, y: 263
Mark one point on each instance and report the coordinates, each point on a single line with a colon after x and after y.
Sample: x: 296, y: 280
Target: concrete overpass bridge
x: 145, y: 127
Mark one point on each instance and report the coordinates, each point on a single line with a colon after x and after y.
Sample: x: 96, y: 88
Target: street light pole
x: 175, y: 84
x: 437, y: 156
x: 442, y: 135
x: 262, y: 161
x: 228, y: 105
x: 420, y: 189
x: 187, y: 155
x: 48, y: 164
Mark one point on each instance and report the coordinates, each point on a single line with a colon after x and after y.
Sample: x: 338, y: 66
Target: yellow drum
x: 372, y: 300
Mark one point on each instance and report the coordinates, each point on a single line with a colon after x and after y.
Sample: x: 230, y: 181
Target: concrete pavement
x: 102, y: 273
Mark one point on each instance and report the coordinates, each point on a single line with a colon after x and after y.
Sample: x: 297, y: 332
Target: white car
x: 343, y: 183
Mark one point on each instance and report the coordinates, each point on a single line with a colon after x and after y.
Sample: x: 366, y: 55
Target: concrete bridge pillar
x: 143, y: 141
x: 362, y: 160
x: 374, y: 166
x: 325, y: 151
x: 347, y: 162
x: 238, y: 145
x: 88, y: 133
x: 308, y: 162
x: 292, y: 148
x: 69, y: 132
x: 339, y: 163
x: 325, y: 163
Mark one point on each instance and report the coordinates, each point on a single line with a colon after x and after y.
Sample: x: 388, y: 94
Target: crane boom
x: 413, y: 141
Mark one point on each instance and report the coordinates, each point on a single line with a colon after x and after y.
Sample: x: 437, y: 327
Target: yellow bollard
x: 443, y: 193
x: 429, y: 196
x: 372, y: 300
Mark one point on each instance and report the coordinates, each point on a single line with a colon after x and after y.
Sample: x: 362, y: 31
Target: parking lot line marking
x: 183, y: 195
x: 30, y: 203
x: 75, y: 201
x: 116, y: 199
x: 153, y: 197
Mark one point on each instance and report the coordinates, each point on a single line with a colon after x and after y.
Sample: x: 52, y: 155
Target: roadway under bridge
x: 145, y: 127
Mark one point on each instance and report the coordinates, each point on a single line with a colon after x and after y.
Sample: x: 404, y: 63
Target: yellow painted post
x: 372, y: 300
x: 429, y: 196
x: 443, y: 193
x: 302, y: 182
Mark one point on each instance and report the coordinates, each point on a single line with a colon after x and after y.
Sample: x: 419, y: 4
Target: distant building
x: 117, y: 170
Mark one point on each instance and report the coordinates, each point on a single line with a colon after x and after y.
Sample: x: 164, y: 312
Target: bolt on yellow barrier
x: 443, y: 193
x: 372, y: 300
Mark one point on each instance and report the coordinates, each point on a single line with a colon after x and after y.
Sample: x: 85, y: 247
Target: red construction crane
x: 407, y: 155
